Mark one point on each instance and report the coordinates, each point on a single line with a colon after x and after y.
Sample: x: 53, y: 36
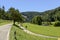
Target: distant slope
x: 30, y: 15
x: 52, y: 14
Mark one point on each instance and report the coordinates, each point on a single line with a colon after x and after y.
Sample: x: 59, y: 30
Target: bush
x: 47, y: 23
x: 57, y: 23
x: 37, y: 20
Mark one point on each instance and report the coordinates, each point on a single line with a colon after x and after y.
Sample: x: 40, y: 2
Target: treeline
x: 46, y: 16
x: 11, y: 14
x: 49, y: 15
x: 33, y: 17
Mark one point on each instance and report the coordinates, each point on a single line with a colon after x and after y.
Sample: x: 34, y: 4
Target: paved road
x: 29, y: 32
x: 4, y: 31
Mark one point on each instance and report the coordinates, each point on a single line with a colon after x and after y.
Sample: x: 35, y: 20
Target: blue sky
x: 30, y: 5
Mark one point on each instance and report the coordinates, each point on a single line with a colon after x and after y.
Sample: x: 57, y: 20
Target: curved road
x: 4, y: 31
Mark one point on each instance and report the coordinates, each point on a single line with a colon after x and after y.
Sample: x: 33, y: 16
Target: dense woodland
x: 12, y: 14
x: 15, y: 15
x: 49, y: 15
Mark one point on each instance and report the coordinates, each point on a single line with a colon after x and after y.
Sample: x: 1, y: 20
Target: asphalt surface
x: 4, y: 31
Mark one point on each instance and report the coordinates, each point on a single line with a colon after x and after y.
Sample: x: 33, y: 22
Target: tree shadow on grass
x: 17, y: 26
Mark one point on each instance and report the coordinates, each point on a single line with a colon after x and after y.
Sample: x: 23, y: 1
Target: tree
x: 37, y: 20
x: 57, y: 23
x: 20, y: 18
x: 15, y: 14
x: 2, y: 12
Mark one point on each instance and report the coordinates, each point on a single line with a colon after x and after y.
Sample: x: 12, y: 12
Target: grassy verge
x: 45, y: 30
x: 21, y: 35
x: 2, y: 22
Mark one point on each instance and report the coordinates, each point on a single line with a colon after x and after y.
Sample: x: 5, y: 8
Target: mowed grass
x: 21, y: 35
x: 2, y: 22
x: 44, y: 30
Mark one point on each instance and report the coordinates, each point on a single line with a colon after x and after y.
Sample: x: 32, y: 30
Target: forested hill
x: 31, y: 14
x: 53, y: 14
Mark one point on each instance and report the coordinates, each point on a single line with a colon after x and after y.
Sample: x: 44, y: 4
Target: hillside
x: 51, y: 14
x: 30, y: 14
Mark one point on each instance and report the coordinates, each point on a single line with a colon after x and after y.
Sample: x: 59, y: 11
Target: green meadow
x: 21, y: 35
x: 44, y: 30
x: 3, y: 22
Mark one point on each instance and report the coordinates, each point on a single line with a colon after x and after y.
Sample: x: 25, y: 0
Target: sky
x: 30, y: 5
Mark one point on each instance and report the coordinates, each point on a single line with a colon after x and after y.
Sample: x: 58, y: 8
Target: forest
x: 33, y: 17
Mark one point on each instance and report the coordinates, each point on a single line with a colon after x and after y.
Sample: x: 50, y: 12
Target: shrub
x: 47, y: 23
x: 57, y: 23
x: 37, y: 20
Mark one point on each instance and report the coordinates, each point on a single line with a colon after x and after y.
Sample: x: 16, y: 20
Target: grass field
x: 2, y: 22
x: 21, y: 35
x: 45, y: 30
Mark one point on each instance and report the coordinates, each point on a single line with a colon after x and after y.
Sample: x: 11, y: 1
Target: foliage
x: 46, y: 23
x: 37, y: 20
x: 30, y: 14
x: 49, y: 15
x: 57, y: 23
x: 15, y: 15
x: 11, y: 14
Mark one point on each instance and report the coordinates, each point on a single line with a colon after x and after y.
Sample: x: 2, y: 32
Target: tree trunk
x: 13, y: 22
